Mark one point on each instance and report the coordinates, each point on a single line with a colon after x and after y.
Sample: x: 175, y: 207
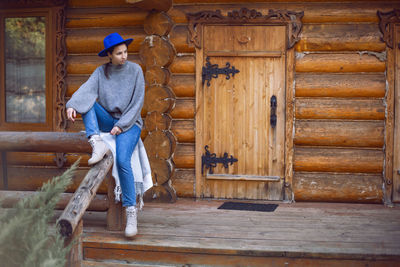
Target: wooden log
x: 157, y: 121
x: 73, y: 82
x: 183, y: 64
x: 335, y: 187
x: 160, y: 193
x: 179, y: 38
x: 86, y: 64
x: 78, y: 125
x: 184, y: 156
x: 158, y: 23
x: 160, y: 144
x: 15, y: 159
x: 44, y: 142
x: 184, y: 108
x: 75, y: 209
x: 340, y: 133
x: 334, y: 62
x: 10, y: 198
x: 32, y: 178
x: 340, y: 85
x: 156, y: 50
x: 90, y: 41
x: 330, y: 108
x: 160, y: 5
x: 158, y: 98
x: 352, y: 160
x: 183, y: 85
x: 183, y: 130
x: 340, y: 37
x: 161, y: 170
x: 156, y: 75
x: 184, y: 182
x: 99, y: 3
x: 114, y: 17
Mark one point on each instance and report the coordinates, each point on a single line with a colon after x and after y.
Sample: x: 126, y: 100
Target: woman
x: 111, y: 101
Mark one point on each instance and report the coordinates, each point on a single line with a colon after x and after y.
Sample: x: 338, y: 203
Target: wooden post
x: 75, y: 209
x: 115, y: 220
x: 75, y: 255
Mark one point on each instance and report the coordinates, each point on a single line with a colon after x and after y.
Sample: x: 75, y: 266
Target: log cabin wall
x: 339, y: 88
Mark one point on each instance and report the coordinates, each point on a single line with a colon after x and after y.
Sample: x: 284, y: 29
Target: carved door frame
x: 244, y: 16
x: 389, y: 25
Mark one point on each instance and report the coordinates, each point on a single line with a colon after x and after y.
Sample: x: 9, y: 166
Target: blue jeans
x: 98, y: 119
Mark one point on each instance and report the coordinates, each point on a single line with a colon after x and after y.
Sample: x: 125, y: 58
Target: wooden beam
x: 339, y: 133
x: 80, y: 18
x: 331, y: 37
x: 339, y: 62
x: 90, y: 40
x: 340, y: 85
x: 44, y: 142
x: 181, y: 84
x: 159, y: 5
x: 184, y: 108
x: 351, y: 160
x: 336, y: 187
x: 333, y: 108
x: 10, y: 198
x: 77, y: 206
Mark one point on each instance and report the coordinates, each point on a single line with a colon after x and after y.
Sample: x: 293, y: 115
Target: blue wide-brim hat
x: 113, y: 40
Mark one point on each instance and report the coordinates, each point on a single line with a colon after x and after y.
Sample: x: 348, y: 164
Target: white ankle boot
x: 131, y: 221
x: 99, y: 149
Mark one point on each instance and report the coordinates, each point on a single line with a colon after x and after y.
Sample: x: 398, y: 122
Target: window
x: 32, y: 65
x: 25, y: 69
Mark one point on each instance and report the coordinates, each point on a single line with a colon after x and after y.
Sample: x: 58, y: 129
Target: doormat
x: 248, y: 206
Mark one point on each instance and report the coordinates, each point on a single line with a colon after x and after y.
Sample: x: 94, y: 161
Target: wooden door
x: 235, y: 113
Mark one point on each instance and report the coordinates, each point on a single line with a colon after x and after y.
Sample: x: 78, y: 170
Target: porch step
x: 197, y: 233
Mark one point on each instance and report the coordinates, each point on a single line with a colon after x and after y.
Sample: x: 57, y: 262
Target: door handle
x: 272, y: 117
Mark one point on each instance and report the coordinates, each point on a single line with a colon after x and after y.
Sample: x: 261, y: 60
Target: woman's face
x: 119, y: 54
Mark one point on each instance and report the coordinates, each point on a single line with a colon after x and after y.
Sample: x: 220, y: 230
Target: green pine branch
x: 25, y: 236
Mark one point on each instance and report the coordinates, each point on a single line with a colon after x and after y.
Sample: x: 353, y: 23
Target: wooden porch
x: 196, y: 233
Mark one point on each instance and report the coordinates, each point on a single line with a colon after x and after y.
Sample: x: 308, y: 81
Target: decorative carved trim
x: 60, y: 71
x: 244, y: 15
x: 386, y: 21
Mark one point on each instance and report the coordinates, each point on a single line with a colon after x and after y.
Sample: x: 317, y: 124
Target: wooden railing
x: 61, y: 142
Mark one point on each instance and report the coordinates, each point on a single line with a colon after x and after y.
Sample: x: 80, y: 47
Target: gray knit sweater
x: 121, y: 95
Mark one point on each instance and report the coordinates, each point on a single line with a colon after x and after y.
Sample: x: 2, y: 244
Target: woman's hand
x: 116, y: 130
x: 71, y: 114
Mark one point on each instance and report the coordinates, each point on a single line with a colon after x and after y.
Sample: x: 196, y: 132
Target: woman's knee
x: 124, y: 164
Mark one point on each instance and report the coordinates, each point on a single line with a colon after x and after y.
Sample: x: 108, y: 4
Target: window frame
x: 55, y: 69
x: 47, y: 125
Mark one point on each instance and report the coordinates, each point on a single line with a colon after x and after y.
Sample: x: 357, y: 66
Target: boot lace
x: 92, y: 142
x: 131, y: 214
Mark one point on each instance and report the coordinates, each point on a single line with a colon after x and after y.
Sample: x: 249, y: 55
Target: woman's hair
x: 107, y: 65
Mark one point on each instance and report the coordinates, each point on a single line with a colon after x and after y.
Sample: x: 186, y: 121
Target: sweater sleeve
x: 85, y: 97
x: 133, y: 111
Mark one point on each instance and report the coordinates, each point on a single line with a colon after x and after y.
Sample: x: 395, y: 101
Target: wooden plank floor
x: 301, y: 234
